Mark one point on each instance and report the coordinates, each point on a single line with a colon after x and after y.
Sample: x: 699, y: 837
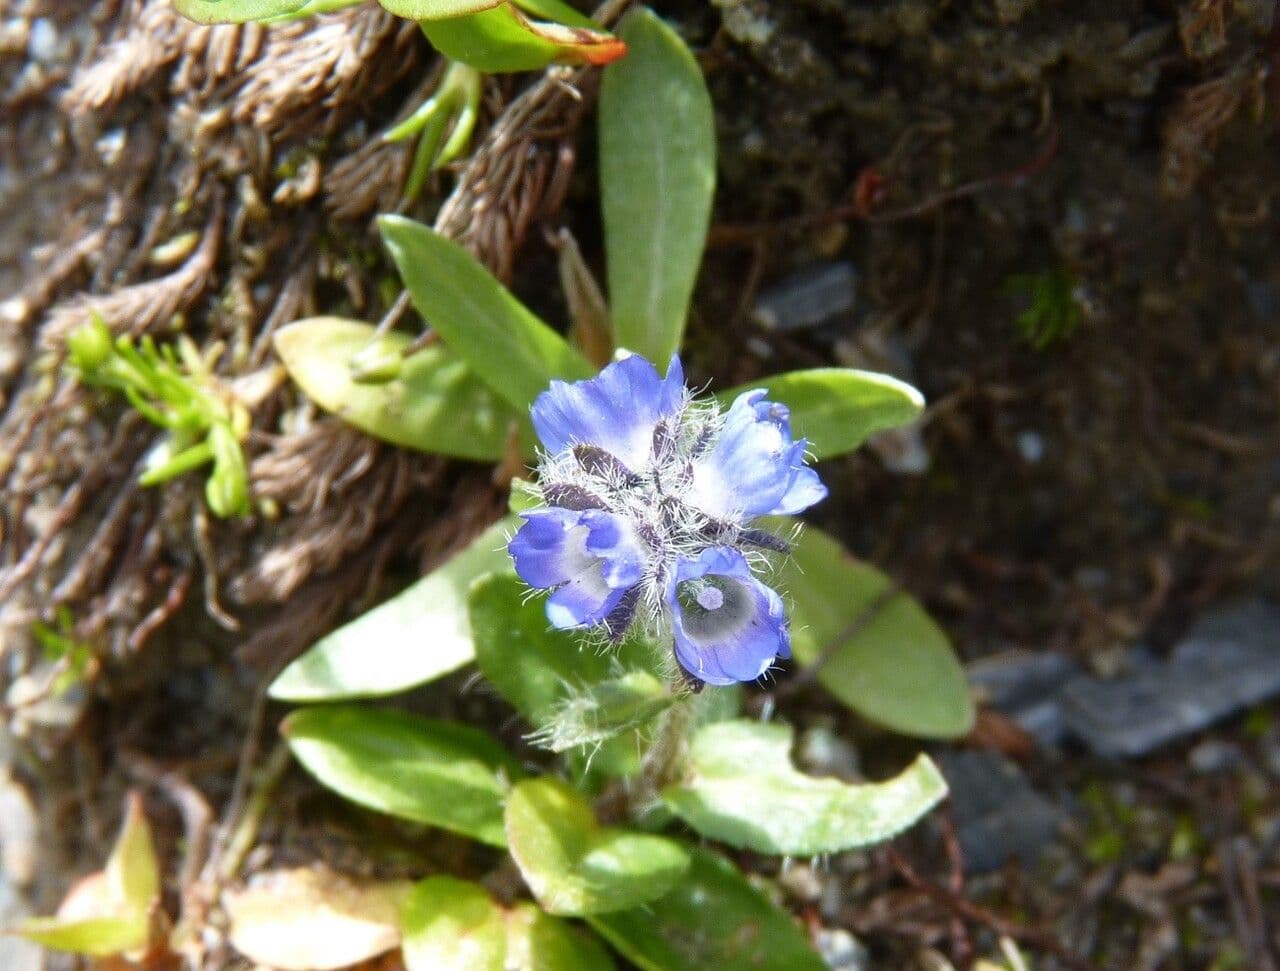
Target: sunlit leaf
x: 837, y: 409
x: 417, y: 636
x: 313, y: 919
x: 436, y: 9
x: 235, y: 11
x: 435, y: 772
x: 110, y: 912
x: 713, y: 918
x: 536, y: 941
x: 880, y: 652
x: 506, y: 346
x: 504, y: 39
x: 430, y: 401
x: 575, y: 866
x: 657, y: 178
x: 739, y: 787
x: 453, y: 925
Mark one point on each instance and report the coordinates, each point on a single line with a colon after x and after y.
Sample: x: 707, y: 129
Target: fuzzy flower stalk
x: 649, y: 502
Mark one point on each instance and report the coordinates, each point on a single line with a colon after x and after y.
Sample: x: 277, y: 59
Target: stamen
x: 619, y: 619
x: 571, y: 497
x: 596, y: 461
x: 765, y: 540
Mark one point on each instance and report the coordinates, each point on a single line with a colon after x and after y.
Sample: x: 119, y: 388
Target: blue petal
x: 589, y: 558
x: 755, y: 468
x: 737, y: 640
x: 584, y: 601
x: 616, y: 410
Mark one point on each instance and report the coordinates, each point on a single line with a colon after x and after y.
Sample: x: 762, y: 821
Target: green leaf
x: 453, y: 925
x: 431, y: 401
x: 880, y: 653
x: 740, y: 787
x: 107, y: 913
x: 540, y: 670
x: 506, y: 346
x: 575, y: 866
x: 235, y: 11
x: 417, y: 636
x: 536, y: 941
x: 434, y: 772
x: 94, y: 936
x: 436, y: 9
x: 555, y: 11
x: 504, y: 39
x: 713, y: 918
x: 657, y: 179
x: 837, y: 409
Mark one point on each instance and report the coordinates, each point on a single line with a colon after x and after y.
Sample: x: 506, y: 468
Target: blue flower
x: 650, y: 501
x: 728, y: 625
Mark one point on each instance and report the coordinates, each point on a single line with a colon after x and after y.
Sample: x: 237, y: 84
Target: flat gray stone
x: 1024, y: 685
x: 999, y: 816
x: 808, y: 298
x: 1229, y: 661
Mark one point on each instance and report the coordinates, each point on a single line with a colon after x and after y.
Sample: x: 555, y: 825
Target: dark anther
x: 715, y: 531
x: 571, y: 497
x: 649, y: 534
x: 620, y: 617
x: 702, y: 441
x: 765, y: 540
x: 664, y: 443
x: 694, y: 683
x: 596, y: 461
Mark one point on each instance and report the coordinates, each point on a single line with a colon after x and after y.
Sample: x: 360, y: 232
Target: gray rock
x: 1229, y: 661
x: 998, y: 815
x: 1025, y: 685
x: 808, y: 298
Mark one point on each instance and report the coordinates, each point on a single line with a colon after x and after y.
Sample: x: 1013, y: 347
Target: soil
x: 1060, y: 219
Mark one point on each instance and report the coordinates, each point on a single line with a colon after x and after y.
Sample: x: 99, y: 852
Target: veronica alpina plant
x: 650, y: 498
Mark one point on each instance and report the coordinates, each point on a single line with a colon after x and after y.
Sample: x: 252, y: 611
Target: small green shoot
x: 72, y: 658
x: 445, y: 122
x: 173, y: 386
x: 1054, y: 312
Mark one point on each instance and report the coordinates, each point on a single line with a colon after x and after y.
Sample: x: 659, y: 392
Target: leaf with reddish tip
x: 504, y: 39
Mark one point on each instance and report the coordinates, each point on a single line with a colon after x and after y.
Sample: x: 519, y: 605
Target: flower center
x: 714, y: 607
x: 709, y: 598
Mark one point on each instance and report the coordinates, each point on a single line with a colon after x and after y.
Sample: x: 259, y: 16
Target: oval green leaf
x: 436, y: 9
x: 420, y: 634
x: 235, y: 11
x: 657, y: 179
x: 453, y: 925
x: 713, y: 918
x: 879, y: 652
x: 504, y: 344
x: 536, y: 941
x: 837, y: 409
x: 432, y: 402
x: 740, y: 787
x: 575, y: 866
x: 434, y: 772
x: 503, y: 39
